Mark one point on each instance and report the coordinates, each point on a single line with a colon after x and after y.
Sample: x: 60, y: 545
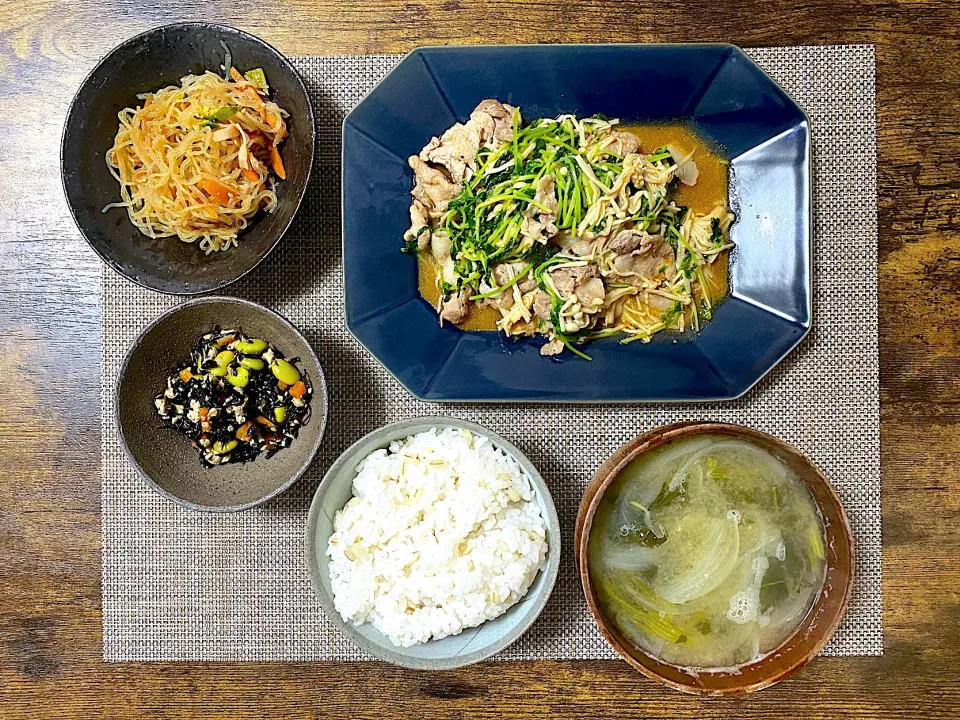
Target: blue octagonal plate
x: 717, y: 88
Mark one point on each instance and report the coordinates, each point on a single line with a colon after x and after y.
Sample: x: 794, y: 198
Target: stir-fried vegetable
x: 553, y: 196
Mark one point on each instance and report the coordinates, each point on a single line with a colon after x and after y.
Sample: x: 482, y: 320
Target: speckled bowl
x: 164, y: 458
x: 148, y: 62
x: 473, y: 644
x: 814, y: 631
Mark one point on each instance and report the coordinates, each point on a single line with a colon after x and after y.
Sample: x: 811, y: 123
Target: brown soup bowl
x: 814, y: 631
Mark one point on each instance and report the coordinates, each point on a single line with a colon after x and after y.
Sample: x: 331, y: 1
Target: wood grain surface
x: 50, y: 638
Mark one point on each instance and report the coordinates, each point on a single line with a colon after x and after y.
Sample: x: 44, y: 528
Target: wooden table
x: 50, y: 637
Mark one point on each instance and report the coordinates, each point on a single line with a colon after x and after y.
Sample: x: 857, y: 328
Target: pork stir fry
x: 565, y: 226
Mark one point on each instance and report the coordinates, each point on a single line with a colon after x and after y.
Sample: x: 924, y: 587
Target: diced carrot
x: 251, y: 175
x: 205, y: 423
x: 203, y: 413
x: 185, y: 374
x: 264, y: 421
x: 298, y: 389
x: 216, y: 190
x: 277, y: 163
x: 226, y: 340
x: 282, y: 385
x: 243, y: 432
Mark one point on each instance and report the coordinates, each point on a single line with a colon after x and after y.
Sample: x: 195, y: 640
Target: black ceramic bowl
x: 166, y: 459
x: 145, y: 63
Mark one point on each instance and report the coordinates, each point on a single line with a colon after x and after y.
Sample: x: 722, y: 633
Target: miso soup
x: 707, y: 552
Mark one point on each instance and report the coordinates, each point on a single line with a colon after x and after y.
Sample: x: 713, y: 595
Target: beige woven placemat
x: 179, y: 585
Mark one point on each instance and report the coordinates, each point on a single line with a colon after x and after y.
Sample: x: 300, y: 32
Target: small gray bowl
x: 473, y: 644
x: 164, y: 458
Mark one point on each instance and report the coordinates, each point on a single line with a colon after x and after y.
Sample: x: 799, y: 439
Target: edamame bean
x: 218, y: 371
x: 224, y: 358
x: 239, y: 377
x: 280, y: 414
x: 284, y: 371
x: 252, y: 363
x: 253, y: 346
x: 221, y: 448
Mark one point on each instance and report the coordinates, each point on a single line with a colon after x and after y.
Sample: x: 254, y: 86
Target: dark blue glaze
x: 728, y: 98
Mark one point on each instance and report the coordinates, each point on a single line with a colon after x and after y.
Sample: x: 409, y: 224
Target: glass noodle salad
x: 198, y: 160
x: 566, y: 227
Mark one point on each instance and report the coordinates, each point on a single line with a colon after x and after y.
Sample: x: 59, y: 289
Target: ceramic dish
x: 717, y: 88
x: 163, y: 457
x: 145, y: 63
x: 811, y: 635
x: 473, y: 644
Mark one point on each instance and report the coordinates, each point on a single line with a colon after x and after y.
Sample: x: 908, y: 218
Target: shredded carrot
x: 237, y: 77
x: 185, y: 374
x: 255, y: 97
x: 243, y: 432
x: 270, y: 118
x: 251, y: 175
x: 264, y: 421
x: 217, y: 190
x: 298, y: 389
x: 277, y: 163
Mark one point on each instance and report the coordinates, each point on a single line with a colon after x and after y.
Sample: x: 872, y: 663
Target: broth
x: 710, y: 190
x: 707, y: 552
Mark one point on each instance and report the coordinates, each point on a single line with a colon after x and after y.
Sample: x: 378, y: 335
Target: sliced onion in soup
x: 701, y: 552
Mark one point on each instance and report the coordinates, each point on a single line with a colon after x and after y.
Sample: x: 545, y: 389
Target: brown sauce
x: 711, y: 190
x: 481, y: 317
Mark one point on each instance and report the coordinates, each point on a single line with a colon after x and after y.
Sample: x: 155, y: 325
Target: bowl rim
x: 320, y: 383
x: 551, y: 569
x: 74, y: 106
x: 624, y: 455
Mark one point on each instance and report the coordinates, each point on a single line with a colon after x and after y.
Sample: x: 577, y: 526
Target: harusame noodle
x: 195, y: 161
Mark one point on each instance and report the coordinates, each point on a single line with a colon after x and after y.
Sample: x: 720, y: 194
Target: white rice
x: 443, y: 534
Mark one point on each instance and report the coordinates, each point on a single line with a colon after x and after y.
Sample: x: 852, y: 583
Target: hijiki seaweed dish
x: 564, y: 227
x: 235, y: 398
